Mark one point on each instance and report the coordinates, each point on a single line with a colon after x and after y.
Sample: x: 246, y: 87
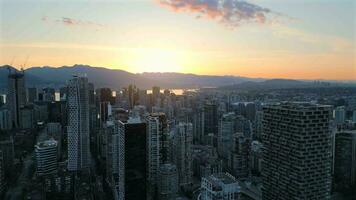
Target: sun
x: 156, y: 60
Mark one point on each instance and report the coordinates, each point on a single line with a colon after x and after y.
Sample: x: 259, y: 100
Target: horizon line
x: 225, y: 75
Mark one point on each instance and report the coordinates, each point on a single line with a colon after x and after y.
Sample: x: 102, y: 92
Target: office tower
x: 2, y: 175
x: 226, y: 132
x: 8, y: 153
x: 168, y: 182
x: 105, y: 95
x: 220, y: 186
x: 210, y: 118
x: 31, y: 95
x: 5, y: 120
x: 156, y: 93
x: 296, y: 151
x: 256, y: 157
x: 16, y: 97
x: 129, y: 158
x: 239, y: 157
x: 104, y: 111
x: 157, y: 145
x: 340, y: 114
x: 27, y: 117
x: 48, y: 94
x: 46, y: 157
x: 244, y: 126
x: 345, y: 160
x: 250, y: 110
x: 198, y: 126
x: 78, y: 124
x: 143, y: 98
x: 183, y: 141
x: 354, y: 116
x: 258, y: 125
x: 118, y: 160
x: 63, y: 93
x: 2, y: 99
x: 54, y: 130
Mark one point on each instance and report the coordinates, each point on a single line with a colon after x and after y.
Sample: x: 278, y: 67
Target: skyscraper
x: 345, y: 160
x: 129, y: 159
x: 157, y: 146
x: 210, y: 119
x: 46, y: 157
x: 168, y: 182
x: 296, y: 151
x: 78, y: 124
x: 226, y: 131
x: 16, y: 97
x: 183, y: 141
x: 239, y: 156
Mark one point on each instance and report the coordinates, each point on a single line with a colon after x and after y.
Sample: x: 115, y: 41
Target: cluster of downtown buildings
x: 94, y: 143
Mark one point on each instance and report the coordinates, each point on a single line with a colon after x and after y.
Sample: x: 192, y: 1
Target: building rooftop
x: 222, y: 178
x: 47, y: 143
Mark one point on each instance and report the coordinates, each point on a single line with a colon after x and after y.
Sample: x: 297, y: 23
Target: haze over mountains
x: 114, y: 78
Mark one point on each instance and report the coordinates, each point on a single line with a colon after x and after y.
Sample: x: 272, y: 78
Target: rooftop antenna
x: 24, y: 65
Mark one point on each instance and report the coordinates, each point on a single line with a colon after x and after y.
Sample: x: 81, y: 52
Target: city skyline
x: 267, y: 39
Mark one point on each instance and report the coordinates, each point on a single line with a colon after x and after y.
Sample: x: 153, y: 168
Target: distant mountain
x: 103, y: 77
x: 193, y: 80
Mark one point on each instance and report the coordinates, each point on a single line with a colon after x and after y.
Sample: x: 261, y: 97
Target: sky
x: 298, y: 39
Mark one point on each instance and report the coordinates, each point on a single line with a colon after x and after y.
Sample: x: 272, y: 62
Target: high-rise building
x: 296, y: 151
x: 211, y: 119
x: 157, y: 145
x: 5, y: 120
x: 46, y: 157
x: 16, y: 97
x: 168, y: 182
x: 129, y: 159
x: 8, y: 153
x: 340, y: 114
x: 258, y: 125
x: 32, y: 95
x: 226, y: 131
x: 156, y: 93
x: 354, y: 116
x: 183, y: 141
x: 220, y: 186
x: 78, y: 124
x: 2, y: 174
x: 239, y: 157
x: 256, y: 158
x: 345, y: 160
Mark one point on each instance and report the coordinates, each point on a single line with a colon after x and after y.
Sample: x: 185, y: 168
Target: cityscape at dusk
x: 177, y: 100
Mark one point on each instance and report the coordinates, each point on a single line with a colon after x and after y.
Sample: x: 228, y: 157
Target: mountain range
x: 115, y: 78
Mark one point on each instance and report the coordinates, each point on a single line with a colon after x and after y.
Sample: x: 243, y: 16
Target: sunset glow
x: 276, y: 40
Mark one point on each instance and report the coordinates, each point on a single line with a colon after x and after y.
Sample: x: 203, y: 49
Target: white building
x: 78, y: 124
x: 222, y: 186
x: 46, y: 157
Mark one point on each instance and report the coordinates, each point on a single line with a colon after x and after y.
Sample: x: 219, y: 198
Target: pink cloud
x: 231, y: 13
